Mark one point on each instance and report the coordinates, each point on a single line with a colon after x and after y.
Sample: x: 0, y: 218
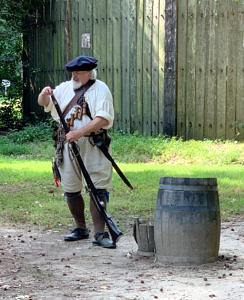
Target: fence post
x: 169, y: 125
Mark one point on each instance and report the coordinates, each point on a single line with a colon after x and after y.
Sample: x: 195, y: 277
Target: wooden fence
x: 127, y: 37
x: 210, y: 77
x: 193, y: 88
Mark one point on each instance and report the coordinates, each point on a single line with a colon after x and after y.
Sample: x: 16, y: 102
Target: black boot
x: 104, y: 241
x: 77, y: 234
x: 76, y: 206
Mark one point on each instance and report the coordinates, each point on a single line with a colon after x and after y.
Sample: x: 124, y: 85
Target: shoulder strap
x: 77, y: 96
x: 88, y: 112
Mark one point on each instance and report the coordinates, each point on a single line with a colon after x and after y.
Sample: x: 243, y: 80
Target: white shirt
x: 98, y: 97
x: 100, y: 102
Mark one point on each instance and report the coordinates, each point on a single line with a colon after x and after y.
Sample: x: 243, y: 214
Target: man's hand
x: 73, y: 135
x: 43, y: 98
x: 93, y: 126
x: 46, y: 91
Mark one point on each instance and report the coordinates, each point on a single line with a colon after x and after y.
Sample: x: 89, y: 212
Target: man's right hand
x: 43, y: 98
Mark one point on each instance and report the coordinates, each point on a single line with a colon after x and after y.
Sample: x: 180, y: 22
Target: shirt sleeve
x: 104, y: 105
x: 50, y: 107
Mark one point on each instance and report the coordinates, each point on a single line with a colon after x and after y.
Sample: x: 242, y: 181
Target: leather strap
x: 79, y: 94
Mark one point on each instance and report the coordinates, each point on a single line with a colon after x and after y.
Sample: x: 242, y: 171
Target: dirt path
x: 38, y: 265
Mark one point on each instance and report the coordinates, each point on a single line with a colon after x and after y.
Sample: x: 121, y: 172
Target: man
x: 100, y: 105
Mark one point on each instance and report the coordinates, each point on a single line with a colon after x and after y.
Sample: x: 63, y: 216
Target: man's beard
x: 76, y: 84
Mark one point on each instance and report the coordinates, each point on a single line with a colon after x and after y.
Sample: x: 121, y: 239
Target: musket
x: 102, y: 147
x: 114, y: 231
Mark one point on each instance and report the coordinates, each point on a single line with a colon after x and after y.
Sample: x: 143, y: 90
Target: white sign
x: 5, y: 83
x: 85, y: 40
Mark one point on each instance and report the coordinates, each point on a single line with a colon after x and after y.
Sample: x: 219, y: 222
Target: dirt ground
x: 38, y: 265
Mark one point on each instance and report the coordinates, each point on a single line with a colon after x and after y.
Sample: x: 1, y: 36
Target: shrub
x: 13, y: 149
x: 31, y: 133
x: 10, y: 113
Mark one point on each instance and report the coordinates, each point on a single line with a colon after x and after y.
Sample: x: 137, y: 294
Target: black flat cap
x: 82, y: 63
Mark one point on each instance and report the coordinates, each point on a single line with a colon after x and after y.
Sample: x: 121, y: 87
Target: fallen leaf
x: 104, y: 287
x: 23, y: 297
x: 5, y: 287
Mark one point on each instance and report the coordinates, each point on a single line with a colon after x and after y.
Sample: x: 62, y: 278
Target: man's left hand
x: 73, y: 135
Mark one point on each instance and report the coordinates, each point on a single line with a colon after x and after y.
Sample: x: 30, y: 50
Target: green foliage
x: 9, y: 148
x: 133, y: 148
x: 31, y: 133
x: 10, y: 60
x: 12, y: 14
x: 10, y: 113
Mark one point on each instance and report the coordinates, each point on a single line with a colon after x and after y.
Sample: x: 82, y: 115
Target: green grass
x: 28, y: 194
x: 132, y: 148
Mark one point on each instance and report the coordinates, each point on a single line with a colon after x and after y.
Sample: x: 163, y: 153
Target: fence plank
x: 155, y: 64
x: 182, y: 68
x: 132, y: 66
x: 191, y: 75
x: 96, y: 25
x: 170, y: 68
x: 85, y: 26
x: 63, y: 58
x: 231, y: 74
x: 210, y: 99
x: 161, y: 66
x: 240, y: 76
x: 117, y: 64
x: 109, y: 46
x: 222, y: 61
x: 147, y: 68
x: 125, y: 66
x: 56, y: 49
x: 201, y: 37
x: 100, y: 36
x: 74, y: 22
x: 103, y: 39
x: 68, y: 43
x: 139, y: 55
x: 49, y: 44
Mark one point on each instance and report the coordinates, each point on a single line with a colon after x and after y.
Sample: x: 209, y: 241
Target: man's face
x: 80, y: 78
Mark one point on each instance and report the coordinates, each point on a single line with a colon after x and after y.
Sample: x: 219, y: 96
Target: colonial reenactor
x: 87, y: 105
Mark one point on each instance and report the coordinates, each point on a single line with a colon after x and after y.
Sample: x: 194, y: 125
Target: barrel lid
x: 188, y: 181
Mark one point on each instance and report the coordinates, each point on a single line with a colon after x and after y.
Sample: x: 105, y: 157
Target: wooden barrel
x: 187, y: 221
